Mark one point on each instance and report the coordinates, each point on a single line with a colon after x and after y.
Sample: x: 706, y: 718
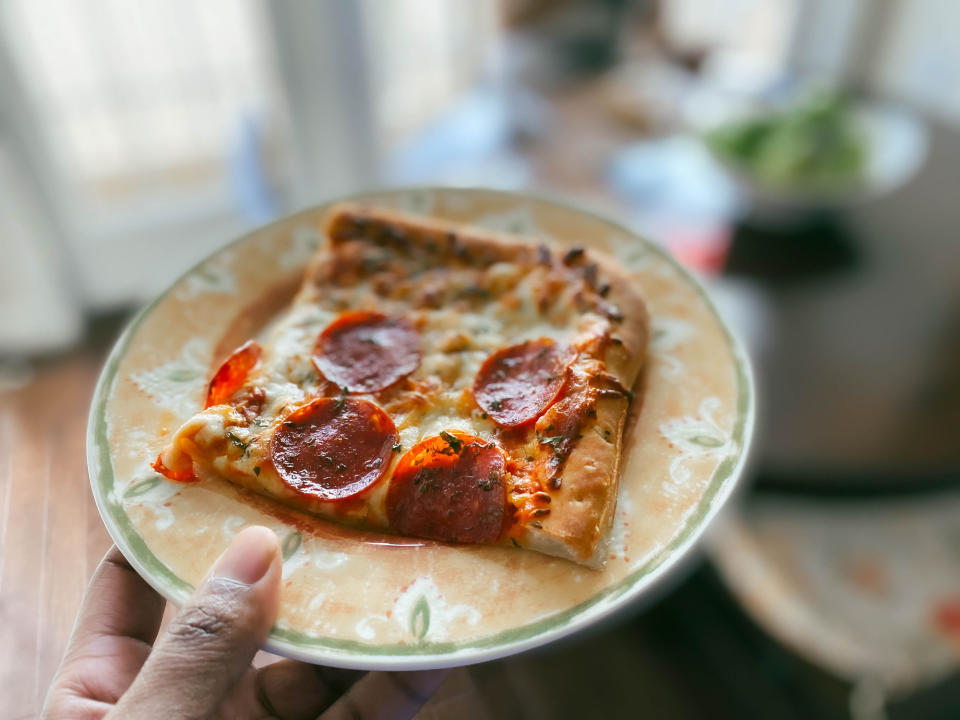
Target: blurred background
x: 802, y: 156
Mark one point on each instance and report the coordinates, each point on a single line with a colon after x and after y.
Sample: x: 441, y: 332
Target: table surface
x: 51, y: 537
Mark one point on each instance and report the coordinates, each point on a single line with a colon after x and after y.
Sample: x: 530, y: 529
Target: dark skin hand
x: 200, y: 667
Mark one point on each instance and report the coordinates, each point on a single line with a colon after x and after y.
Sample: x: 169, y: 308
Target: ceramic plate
x: 868, y: 589
x: 356, y: 600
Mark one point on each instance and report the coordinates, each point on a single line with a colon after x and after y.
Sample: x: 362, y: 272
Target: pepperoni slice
x: 517, y: 384
x: 183, y: 475
x: 367, y: 351
x: 333, y: 448
x: 449, y: 487
x: 233, y: 373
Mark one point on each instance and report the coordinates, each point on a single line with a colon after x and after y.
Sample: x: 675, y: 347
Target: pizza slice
x: 436, y: 381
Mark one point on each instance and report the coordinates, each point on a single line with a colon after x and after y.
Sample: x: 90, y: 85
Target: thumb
x: 210, y: 643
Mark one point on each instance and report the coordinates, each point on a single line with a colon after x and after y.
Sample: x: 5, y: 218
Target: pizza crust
x: 582, y: 513
x: 625, y: 360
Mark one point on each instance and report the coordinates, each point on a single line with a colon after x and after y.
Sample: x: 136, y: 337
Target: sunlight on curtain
x: 138, y: 99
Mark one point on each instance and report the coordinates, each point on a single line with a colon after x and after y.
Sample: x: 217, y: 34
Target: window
x: 918, y: 59
x: 422, y: 54
x: 137, y: 102
x: 746, y: 40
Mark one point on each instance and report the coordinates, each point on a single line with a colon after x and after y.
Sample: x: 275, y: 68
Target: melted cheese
x: 501, y: 309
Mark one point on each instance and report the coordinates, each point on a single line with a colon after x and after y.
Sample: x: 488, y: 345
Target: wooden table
x: 51, y: 537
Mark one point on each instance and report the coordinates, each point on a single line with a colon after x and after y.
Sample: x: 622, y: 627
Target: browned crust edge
x: 582, y: 512
x: 580, y: 530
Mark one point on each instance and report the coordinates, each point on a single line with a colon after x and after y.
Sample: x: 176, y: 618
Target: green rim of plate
x: 355, y: 654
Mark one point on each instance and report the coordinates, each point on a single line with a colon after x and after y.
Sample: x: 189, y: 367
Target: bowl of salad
x: 821, y: 151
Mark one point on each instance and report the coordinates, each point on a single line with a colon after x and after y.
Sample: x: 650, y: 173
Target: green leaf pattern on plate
x: 417, y: 201
x: 420, y: 618
x: 178, y: 385
x: 141, y: 487
x: 696, y: 437
x: 422, y: 611
x: 291, y: 544
x: 636, y: 256
x: 667, y: 334
x: 518, y: 220
x: 303, y: 244
x: 707, y: 441
x: 184, y: 374
x: 212, y: 276
x: 151, y: 491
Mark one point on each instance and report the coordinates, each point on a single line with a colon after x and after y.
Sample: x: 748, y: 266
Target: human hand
x: 200, y: 667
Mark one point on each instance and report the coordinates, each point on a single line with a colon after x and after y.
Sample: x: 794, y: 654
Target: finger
x: 210, y: 643
x: 387, y: 695
x: 118, y: 603
x: 117, y: 622
x: 298, y: 691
